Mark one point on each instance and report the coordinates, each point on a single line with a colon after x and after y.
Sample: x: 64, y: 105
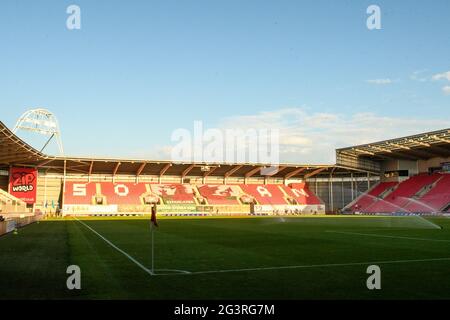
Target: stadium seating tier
x: 125, y: 193
x: 419, y: 194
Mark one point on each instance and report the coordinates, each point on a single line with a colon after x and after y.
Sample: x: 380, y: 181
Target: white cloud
x: 380, y: 81
x: 446, y: 90
x: 442, y: 76
x: 418, y: 76
x: 312, y: 137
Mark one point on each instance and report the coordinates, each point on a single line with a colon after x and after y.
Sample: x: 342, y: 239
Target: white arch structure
x: 43, y: 122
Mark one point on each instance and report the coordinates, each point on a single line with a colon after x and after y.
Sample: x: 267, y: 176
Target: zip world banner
x: 23, y: 184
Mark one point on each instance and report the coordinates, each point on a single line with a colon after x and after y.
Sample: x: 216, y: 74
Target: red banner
x: 23, y: 184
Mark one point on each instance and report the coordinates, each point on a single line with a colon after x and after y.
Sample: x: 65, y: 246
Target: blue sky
x: 137, y: 70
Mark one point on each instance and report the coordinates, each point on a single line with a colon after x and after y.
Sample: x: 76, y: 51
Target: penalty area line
x: 312, y: 266
x: 387, y: 236
x: 140, y: 265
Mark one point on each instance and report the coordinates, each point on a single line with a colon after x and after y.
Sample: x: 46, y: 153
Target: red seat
x: 221, y: 194
x: 403, y: 194
x: 301, y: 193
x: 77, y: 192
x: 366, y: 200
x: 435, y: 200
x: 269, y: 194
x: 174, y: 193
x: 124, y: 193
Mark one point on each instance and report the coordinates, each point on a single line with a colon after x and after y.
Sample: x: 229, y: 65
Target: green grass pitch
x: 260, y: 258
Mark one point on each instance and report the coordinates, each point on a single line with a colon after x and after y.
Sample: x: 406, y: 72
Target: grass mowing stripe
x: 386, y: 236
x: 140, y: 265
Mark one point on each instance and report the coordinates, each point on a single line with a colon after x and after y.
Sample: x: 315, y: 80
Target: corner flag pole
x: 153, y: 224
x: 153, y: 248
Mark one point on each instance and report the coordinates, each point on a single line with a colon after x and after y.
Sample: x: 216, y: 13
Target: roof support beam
x: 163, y: 171
x: 364, y: 151
x: 398, y: 146
x: 44, y: 163
x: 19, y: 153
x: 18, y: 157
x: 210, y: 172
x: 230, y: 172
x: 419, y: 143
x: 381, y: 149
x: 352, y: 170
x: 294, y: 173
x: 76, y: 170
x: 76, y: 165
x: 275, y: 171
x: 252, y: 172
x: 140, y: 169
x: 186, y: 172
x: 440, y: 139
x: 83, y: 162
x: 116, y: 168
x: 332, y: 171
x: 91, y: 167
x: 313, y: 173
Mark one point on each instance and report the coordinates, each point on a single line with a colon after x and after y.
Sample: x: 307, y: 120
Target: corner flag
x: 153, y: 224
x: 153, y: 218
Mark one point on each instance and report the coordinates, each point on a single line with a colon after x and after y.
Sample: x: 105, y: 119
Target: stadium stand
x: 435, y: 199
x: 422, y: 193
x: 123, y: 193
x: 126, y: 197
x: 406, y: 190
x: 9, y: 203
x: 88, y: 185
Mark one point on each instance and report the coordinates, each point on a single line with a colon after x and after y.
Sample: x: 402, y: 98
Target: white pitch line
x: 311, y: 266
x: 182, y: 272
x: 170, y: 272
x: 140, y: 265
x: 386, y: 236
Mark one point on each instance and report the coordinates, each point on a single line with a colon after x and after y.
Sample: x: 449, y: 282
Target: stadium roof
x: 16, y: 152
x: 417, y: 147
